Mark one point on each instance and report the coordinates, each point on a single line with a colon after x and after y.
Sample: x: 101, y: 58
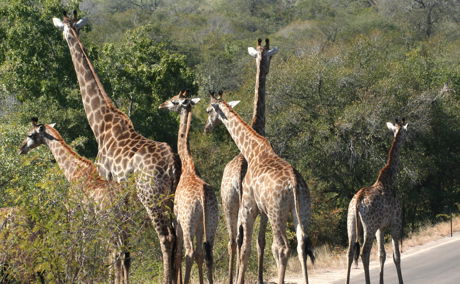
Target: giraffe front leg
x: 382, y: 254
x: 261, y: 247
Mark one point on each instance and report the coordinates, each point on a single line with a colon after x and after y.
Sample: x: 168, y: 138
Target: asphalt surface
x: 439, y: 263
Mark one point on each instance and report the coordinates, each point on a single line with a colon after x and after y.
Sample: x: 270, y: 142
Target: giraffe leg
x: 396, y: 253
x: 189, y: 257
x: 366, y: 253
x: 246, y: 219
x: 261, y: 247
x: 231, y: 219
x: 302, y: 247
x: 178, y: 254
x: 199, y: 254
x: 231, y: 254
x: 280, y: 247
x: 282, y: 250
x: 209, y: 245
x: 382, y: 254
x: 209, y: 262
x: 353, y: 247
x: 351, y: 255
x: 167, y: 242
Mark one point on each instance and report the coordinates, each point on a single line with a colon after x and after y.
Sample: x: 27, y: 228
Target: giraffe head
x: 36, y: 136
x: 215, y: 114
x: 179, y: 101
x: 263, y: 54
x: 68, y: 24
x: 399, y: 127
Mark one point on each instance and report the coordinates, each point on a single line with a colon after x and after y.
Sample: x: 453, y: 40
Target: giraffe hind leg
x: 246, y: 219
x: 382, y: 254
x: 261, y: 247
x: 396, y: 253
x: 367, y: 246
x: 304, y: 248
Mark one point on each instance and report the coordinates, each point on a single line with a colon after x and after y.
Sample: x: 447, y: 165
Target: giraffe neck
x: 258, y: 117
x: 387, y: 175
x: 74, y: 166
x: 96, y: 102
x: 182, y: 141
x: 248, y: 141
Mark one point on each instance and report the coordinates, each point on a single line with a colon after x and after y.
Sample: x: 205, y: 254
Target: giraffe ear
x: 81, y: 23
x: 391, y: 126
x: 252, y: 51
x: 58, y: 23
x: 273, y: 51
x: 52, y: 125
x: 233, y: 103
x: 195, y: 101
x: 405, y: 126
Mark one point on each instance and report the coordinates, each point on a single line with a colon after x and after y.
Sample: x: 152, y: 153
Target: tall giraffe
x: 231, y: 185
x: 374, y: 208
x: 271, y: 187
x: 195, y: 202
x: 122, y: 151
x: 83, y: 173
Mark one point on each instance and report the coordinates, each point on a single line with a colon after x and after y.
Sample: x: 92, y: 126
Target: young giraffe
x: 271, y: 187
x: 375, y: 208
x: 235, y: 170
x: 195, y: 202
x: 83, y: 173
x: 122, y: 151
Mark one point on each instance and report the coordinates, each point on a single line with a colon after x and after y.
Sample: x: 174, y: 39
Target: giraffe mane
x: 238, y: 117
x: 59, y: 138
x: 99, y: 85
x: 390, y: 153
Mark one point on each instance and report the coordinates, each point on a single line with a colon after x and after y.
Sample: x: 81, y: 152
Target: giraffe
x: 82, y: 173
x: 271, y: 187
x: 195, y: 202
x: 122, y: 151
x: 375, y: 208
x: 235, y: 170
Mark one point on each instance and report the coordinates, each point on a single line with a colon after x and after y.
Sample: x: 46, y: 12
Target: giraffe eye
x: 175, y: 103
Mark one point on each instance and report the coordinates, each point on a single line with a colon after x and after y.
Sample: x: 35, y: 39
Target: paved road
x: 437, y: 264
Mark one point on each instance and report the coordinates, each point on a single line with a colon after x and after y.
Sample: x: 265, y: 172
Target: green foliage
x: 140, y: 75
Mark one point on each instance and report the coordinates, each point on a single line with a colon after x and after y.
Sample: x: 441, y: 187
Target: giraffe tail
x: 206, y: 244
x: 357, y: 250
x: 356, y: 247
x: 308, y: 247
